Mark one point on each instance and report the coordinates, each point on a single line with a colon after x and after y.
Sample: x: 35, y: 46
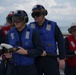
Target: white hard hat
x: 72, y: 25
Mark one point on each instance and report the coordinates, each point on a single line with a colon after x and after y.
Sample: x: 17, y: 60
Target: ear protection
x: 41, y: 8
x: 70, y: 30
x: 25, y: 17
x: 45, y: 12
x: 21, y: 13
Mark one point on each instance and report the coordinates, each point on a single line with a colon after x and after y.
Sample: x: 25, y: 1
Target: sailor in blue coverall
x: 51, y: 36
x: 27, y: 40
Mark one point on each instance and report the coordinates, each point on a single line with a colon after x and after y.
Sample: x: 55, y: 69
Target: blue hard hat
x: 38, y: 7
x: 21, y: 13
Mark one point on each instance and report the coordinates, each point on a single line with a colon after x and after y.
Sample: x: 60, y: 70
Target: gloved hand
x: 7, y: 46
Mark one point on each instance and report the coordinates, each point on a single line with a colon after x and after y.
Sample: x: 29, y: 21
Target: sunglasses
x: 37, y: 14
x: 17, y: 19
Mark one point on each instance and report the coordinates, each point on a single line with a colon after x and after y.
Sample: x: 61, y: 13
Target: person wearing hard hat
x: 28, y: 42
x: 50, y: 35
x: 70, y: 46
x: 3, y: 32
x: 4, y: 29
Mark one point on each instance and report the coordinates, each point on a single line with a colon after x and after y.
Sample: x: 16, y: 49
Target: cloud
x: 64, y: 9
x: 2, y: 9
x: 27, y: 5
x: 57, y: 10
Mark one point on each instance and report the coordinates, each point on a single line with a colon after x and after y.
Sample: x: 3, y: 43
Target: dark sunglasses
x: 37, y: 14
x: 17, y: 19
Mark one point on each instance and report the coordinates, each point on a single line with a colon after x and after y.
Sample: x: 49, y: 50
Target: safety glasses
x: 17, y: 19
x: 37, y: 14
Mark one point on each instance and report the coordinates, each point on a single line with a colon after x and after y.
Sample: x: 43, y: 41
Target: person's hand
x: 44, y: 53
x: 75, y: 52
x: 21, y: 51
x: 8, y: 55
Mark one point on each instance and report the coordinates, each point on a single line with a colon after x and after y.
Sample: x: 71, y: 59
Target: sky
x: 61, y: 11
